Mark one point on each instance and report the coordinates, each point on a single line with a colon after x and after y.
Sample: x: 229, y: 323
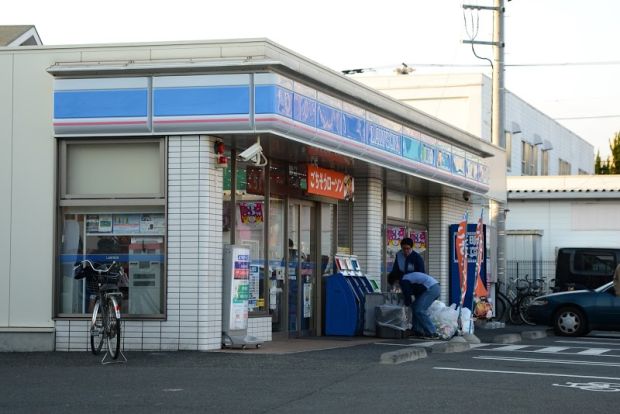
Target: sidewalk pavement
x: 412, y: 350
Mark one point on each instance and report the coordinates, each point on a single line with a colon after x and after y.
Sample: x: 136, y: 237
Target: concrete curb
x: 471, y: 338
x: 538, y: 334
x: 403, y: 355
x: 456, y: 344
x: 510, y: 338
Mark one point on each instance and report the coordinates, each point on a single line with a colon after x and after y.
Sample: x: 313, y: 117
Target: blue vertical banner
x: 454, y: 291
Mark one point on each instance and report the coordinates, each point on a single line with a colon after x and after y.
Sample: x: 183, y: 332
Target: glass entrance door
x: 302, y: 268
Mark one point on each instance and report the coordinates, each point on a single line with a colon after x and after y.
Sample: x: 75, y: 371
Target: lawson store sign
x: 255, y: 103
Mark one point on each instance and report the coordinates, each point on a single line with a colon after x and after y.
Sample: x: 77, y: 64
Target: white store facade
x: 130, y: 153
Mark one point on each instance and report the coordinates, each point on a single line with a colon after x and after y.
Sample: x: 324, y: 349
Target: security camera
x: 253, y: 152
x: 466, y: 195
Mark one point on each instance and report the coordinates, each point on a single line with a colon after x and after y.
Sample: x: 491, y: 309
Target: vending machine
x: 236, y: 291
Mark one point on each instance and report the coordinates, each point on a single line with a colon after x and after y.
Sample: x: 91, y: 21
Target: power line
x: 568, y: 118
x: 514, y: 65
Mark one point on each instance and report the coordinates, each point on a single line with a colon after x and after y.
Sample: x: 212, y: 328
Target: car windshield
x: 604, y: 287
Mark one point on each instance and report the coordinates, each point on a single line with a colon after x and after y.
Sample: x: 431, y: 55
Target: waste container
x: 344, y: 304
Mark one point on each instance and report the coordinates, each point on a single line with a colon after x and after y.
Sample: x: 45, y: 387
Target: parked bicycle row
x: 513, y: 301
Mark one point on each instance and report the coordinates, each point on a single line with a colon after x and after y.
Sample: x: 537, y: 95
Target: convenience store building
x: 131, y: 152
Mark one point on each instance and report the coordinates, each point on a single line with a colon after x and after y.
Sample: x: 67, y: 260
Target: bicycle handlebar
x: 86, y: 262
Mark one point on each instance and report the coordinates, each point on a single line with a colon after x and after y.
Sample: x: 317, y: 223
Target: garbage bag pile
x: 446, y: 319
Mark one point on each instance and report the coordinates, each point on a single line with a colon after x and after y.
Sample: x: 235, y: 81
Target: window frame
x: 102, y: 203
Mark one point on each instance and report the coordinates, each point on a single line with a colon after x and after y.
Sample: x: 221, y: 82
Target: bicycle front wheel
x: 501, y: 305
x: 96, y: 328
x: 113, y: 331
x: 524, y: 305
x: 514, y: 314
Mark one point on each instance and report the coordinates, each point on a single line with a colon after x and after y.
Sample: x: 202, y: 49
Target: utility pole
x: 497, y: 210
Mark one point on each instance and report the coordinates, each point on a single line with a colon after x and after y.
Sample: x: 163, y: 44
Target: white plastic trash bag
x: 445, y: 319
x: 467, y: 326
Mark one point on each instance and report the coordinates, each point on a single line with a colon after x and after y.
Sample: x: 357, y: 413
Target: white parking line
x: 590, y: 342
x: 550, y: 361
x: 552, y: 349
x: 422, y: 344
x: 542, y: 374
x: 510, y: 347
x: 593, y: 351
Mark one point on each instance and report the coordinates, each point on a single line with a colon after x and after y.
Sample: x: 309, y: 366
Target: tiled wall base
x: 73, y: 335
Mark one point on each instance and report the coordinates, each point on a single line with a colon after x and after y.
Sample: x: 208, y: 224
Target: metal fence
x: 531, y: 270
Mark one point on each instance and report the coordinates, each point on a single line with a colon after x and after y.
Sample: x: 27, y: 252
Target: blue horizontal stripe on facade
x: 329, y: 119
x: 304, y: 110
x: 112, y: 103
x: 108, y: 258
x: 268, y: 99
x: 229, y: 100
x: 354, y: 127
x: 265, y: 99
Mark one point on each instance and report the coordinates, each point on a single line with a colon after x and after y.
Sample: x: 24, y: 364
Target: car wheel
x: 570, y: 321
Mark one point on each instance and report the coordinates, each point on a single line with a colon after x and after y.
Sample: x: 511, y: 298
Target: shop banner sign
x: 455, y: 286
x: 480, y: 289
x: 461, y: 254
x: 329, y: 183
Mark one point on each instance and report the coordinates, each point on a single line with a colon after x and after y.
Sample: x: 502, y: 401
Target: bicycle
x: 505, y: 304
x: 512, y: 305
x: 106, y: 318
x: 534, y: 289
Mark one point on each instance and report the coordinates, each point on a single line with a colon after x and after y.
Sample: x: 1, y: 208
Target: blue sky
x: 381, y: 35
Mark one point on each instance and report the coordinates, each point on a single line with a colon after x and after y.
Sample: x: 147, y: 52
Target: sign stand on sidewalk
x: 236, y: 293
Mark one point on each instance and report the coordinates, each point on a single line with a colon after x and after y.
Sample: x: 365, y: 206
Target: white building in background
x: 535, y: 144
x: 563, y: 211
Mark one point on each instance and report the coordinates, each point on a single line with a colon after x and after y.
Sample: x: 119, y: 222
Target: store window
x: 112, y: 209
x: 244, y: 223
x: 134, y: 240
x: 396, y: 205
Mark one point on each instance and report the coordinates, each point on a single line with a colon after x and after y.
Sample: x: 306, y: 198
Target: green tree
x: 597, y: 163
x: 614, y: 161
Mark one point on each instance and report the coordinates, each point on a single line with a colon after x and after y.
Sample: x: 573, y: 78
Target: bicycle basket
x: 95, y: 280
x: 523, y: 285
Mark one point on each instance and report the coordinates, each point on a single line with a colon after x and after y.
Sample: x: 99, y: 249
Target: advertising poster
x: 251, y: 212
x: 105, y: 223
x: 254, y: 286
x: 419, y: 238
x: 127, y: 223
x: 307, y: 300
x: 152, y: 223
x: 393, y: 237
x: 240, y: 292
x: 92, y: 223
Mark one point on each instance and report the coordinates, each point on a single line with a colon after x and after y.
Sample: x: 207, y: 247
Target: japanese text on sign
x: 329, y: 183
